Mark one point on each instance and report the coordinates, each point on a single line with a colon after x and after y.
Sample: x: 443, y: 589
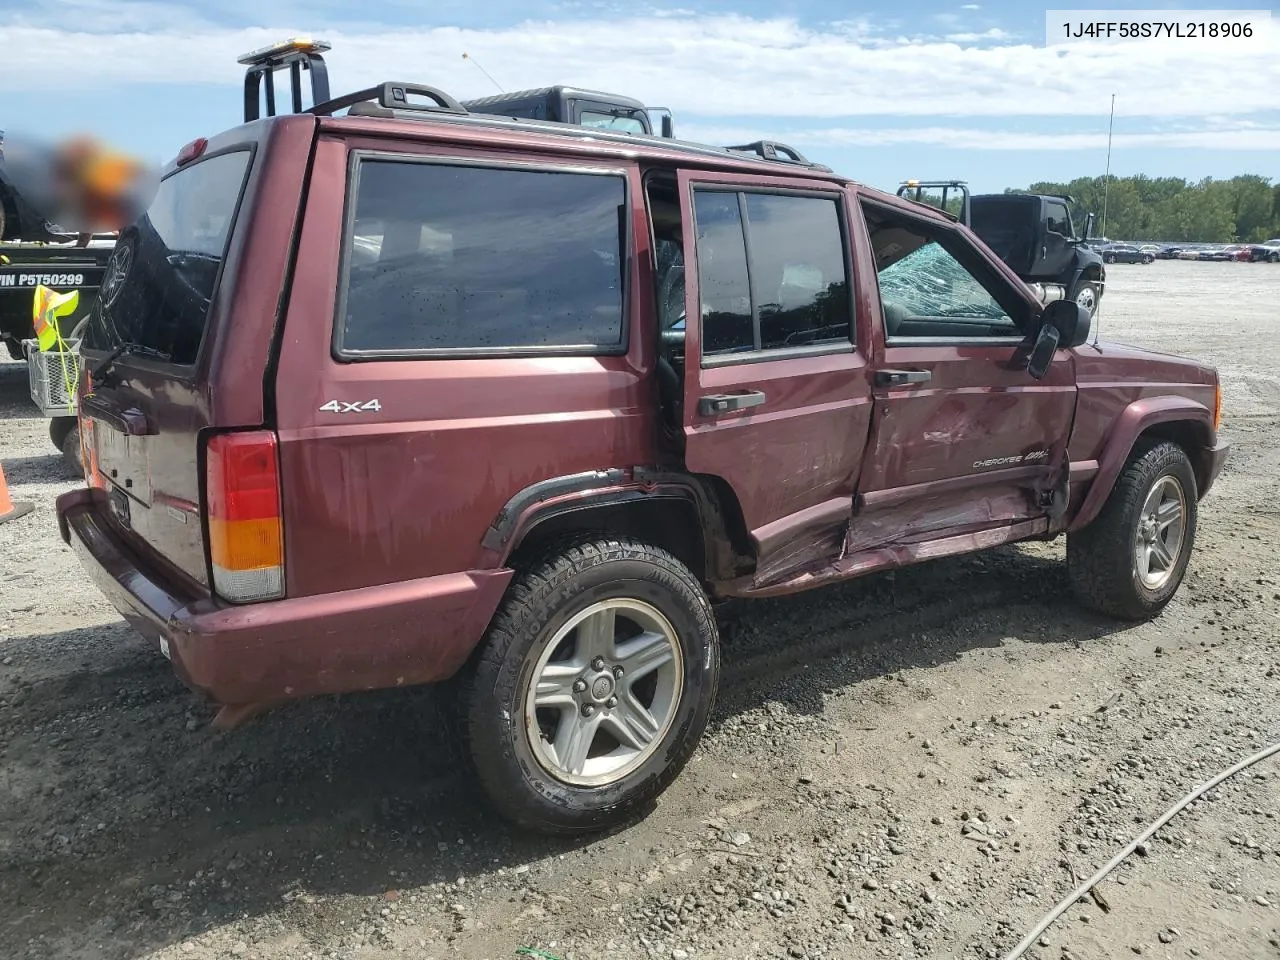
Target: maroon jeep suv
x: 387, y: 393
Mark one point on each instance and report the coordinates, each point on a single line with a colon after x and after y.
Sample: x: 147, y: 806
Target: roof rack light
x: 297, y: 54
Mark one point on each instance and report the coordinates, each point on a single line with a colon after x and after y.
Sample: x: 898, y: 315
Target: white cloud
x: 995, y: 33
x: 1245, y: 136
x: 970, y: 6
x: 712, y: 65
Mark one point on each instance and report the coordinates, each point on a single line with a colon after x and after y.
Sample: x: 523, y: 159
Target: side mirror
x: 668, y: 126
x: 1042, y: 352
x: 1089, y: 222
x: 1071, y: 320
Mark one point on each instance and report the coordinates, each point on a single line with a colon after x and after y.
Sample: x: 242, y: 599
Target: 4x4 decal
x: 346, y: 406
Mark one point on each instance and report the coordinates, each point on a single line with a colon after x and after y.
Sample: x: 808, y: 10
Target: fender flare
x: 1078, y: 271
x: 596, y: 490
x: 1133, y: 421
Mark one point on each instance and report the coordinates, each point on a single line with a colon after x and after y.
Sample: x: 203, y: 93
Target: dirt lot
x: 910, y: 765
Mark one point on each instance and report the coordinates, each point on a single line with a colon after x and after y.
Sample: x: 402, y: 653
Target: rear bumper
x: 390, y: 635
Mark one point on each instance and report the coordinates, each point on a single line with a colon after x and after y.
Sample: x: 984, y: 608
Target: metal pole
x: 1106, y: 180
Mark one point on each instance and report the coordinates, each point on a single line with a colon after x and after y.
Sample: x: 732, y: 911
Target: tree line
x: 1244, y: 209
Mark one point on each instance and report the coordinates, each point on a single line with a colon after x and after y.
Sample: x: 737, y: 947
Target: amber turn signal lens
x: 1217, y: 406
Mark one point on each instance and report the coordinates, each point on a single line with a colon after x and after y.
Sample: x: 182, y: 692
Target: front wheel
x: 1148, y: 258
x: 1088, y: 294
x: 594, y: 686
x: 1130, y: 560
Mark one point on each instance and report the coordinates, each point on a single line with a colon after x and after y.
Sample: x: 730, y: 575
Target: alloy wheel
x: 1161, y: 528
x: 604, y: 692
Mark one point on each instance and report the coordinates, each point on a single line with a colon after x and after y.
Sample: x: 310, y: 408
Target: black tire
x: 1102, y: 560
x: 59, y: 428
x: 71, y: 452
x: 540, y: 602
x: 1108, y: 258
x: 1148, y: 258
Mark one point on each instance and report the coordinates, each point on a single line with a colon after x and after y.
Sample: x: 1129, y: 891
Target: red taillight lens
x: 242, y: 490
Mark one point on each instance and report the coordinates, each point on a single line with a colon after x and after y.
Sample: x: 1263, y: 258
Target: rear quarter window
x: 444, y: 258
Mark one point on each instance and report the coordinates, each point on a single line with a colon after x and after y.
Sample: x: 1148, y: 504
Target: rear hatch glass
x: 144, y: 337
x: 156, y: 294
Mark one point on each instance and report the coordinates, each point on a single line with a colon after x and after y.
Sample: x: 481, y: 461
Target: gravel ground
x: 910, y: 765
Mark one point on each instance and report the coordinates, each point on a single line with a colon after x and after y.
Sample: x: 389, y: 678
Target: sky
x: 883, y: 92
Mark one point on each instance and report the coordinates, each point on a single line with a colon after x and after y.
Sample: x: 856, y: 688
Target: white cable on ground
x: 1114, y: 862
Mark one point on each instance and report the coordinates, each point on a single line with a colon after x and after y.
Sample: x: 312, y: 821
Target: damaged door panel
x: 777, y: 399
x: 963, y: 439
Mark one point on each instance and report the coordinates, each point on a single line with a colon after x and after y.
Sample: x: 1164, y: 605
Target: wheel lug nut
x: 588, y: 710
x: 613, y: 702
x: 598, y: 663
x: 579, y: 686
x: 617, y: 673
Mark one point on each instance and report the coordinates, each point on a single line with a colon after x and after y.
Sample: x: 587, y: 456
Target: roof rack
x: 296, y: 53
x: 780, y: 152
x: 394, y: 98
x: 390, y: 95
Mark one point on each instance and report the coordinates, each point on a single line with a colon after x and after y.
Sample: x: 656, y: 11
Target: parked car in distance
x: 1217, y: 254
x: 387, y: 393
x: 1169, y: 252
x: 1126, y: 253
x: 1258, y: 253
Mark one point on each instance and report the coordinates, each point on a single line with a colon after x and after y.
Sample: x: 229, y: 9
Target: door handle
x: 716, y: 403
x: 895, y: 378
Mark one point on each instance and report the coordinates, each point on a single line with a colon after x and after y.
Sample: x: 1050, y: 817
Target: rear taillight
x: 246, y: 545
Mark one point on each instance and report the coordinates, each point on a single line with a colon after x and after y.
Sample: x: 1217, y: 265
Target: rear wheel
x: 593, y: 688
x: 1148, y: 258
x: 1131, y: 559
x: 65, y: 434
x: 71, y: 452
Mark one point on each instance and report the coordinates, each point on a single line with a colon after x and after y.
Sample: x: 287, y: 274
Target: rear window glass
x: 444, y: 257
x: 627, y: 123
x: 158, y: 286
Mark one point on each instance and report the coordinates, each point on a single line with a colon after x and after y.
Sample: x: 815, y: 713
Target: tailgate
x: 165, y: 348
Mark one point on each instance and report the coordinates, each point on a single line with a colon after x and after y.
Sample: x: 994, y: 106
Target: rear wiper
x: 122, y: 348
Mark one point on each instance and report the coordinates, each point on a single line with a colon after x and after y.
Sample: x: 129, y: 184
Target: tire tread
x: 1099, y: 555
x: 538, y: 581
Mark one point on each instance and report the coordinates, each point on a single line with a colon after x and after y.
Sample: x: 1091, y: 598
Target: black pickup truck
x: 61, y: 266
x: 34, y: 251
x: 1033, y: 233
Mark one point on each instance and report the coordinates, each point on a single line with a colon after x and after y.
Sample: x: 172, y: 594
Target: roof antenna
x: 467, y: 56
x: 1106, y: 182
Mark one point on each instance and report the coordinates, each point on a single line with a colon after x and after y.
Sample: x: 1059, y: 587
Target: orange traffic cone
x: 8, y: 509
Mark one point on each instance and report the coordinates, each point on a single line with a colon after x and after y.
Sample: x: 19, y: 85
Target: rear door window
x: 772, y: 273
x: 445, y: 258
x: 158, y: 287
